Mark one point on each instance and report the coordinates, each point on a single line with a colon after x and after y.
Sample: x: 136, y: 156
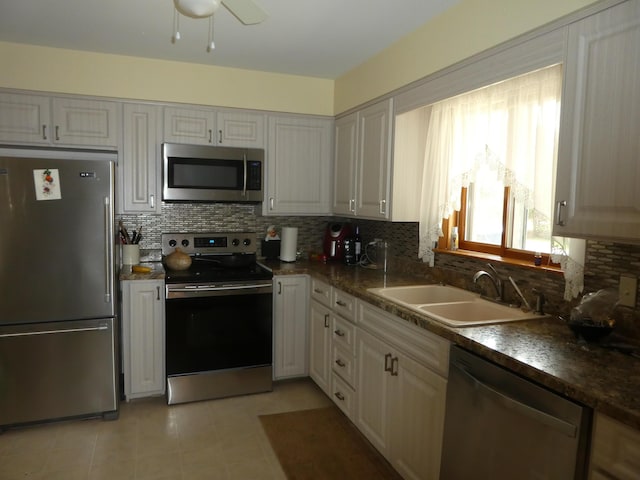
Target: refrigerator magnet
x: 47, y: 184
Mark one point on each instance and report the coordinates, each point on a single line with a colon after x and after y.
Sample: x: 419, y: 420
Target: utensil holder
x: 130, y: 254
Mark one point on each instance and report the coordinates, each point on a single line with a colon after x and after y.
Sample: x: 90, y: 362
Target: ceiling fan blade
x: 246, y: 11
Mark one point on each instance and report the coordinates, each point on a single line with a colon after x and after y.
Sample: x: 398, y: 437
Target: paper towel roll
x: 289, y: 244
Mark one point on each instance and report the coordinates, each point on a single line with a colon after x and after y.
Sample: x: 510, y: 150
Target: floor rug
x: 321, y: 444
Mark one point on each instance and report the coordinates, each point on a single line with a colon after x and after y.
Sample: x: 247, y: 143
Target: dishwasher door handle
x: 556, y: 423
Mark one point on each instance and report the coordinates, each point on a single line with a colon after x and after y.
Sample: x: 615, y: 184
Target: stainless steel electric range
x: 218, y: 318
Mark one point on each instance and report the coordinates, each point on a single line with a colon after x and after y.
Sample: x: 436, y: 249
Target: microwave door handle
x: 244, y: 184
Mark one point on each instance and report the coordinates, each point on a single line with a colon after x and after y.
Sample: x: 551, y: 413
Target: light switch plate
x: 627, y: 290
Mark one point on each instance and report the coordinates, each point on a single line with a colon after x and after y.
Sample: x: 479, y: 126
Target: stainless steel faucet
x: 496, y: 281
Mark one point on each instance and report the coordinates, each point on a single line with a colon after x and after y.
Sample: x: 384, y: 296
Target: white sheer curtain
x: 511, y: 128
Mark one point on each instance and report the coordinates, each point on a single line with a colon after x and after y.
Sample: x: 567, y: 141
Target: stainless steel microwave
x: 198, y: 173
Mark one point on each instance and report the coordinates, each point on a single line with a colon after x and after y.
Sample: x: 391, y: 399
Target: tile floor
x: 218, y: 439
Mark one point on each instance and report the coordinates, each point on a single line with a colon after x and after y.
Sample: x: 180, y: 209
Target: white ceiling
x: 318, y: 38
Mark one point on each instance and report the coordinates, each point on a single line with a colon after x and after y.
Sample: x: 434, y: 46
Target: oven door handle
x: 211, y: 290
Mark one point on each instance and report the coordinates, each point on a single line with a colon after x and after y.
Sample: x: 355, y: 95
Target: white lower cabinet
x: 320, y: 345
x: 290, y: 318
x: 615, y: 450
x: 401, y: 397
x: 143, y: 338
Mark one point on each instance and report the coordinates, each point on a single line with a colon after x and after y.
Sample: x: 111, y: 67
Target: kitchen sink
x: 452, y: 306
x: 421, y: 294
x: 477, y: 312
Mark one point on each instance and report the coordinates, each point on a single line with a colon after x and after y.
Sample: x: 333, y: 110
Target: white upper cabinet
x: 190, y: 125
x: 42, y: 120
x: 363, y: 162
x: 599, y: 150
x: 208, y: 126
x: 298, y: 166
x: 241, y: 129
x: 139, y: 176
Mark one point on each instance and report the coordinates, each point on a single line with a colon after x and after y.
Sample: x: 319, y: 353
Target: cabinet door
x: 320, y: 346
x: 344, y: 170
x: 189, y: 125
x: 239, y: 129
x: 598, y: 170
x: 24, y: 119
x: 85, y: 122
x: 291, y: 307
x: 139, y: 176
x: 299, y: 166
x: 418, y: 404
x: 143, y: 338
x: 374, y: 161
x: 373, y: 362
x: 615, y: 450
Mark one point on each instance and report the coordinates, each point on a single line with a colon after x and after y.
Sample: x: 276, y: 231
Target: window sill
x: 498, y: 259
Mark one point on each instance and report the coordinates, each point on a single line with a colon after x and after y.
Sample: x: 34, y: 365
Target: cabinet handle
x: 383, y: 207
x: 219, y: 136
x: 339, y: 332
x: 44, y: 132
x: 326, y: 320
x: 394, y: 361
x: 279, y: 288
x: 387, y: 357
x: 317, y: 290
x: 352, y: 203
x: 158, y: 292
x: 152, y: 201
x: 341, y: 303
x: 271, y: 203
x: 210, y: 136
x: 339, y: 396
x: 57, y: 133
x: 340, y: 363
x: 559, y: 207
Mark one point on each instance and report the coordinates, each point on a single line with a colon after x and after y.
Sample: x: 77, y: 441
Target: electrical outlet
x: 627, y: 290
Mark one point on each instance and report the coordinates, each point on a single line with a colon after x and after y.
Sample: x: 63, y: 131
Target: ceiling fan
x: 247, y: 11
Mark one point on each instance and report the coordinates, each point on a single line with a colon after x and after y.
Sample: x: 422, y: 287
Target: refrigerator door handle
x: 108, y: 257
x: 62, y: 330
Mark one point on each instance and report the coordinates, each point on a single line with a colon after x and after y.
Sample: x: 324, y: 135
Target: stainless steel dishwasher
x: 501, y: 426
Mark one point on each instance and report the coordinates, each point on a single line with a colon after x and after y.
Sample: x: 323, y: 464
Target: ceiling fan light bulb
x: 197, y: 8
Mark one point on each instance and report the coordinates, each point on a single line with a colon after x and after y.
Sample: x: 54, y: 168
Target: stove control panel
x: 207, y: 243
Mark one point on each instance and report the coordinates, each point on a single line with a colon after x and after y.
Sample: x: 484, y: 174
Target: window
x: 490, y: 163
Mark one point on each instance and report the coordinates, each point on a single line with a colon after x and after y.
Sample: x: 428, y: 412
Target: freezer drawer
x: 56, y: 370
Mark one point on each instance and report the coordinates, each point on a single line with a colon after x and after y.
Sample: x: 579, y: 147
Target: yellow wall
x: 470, y: 27
x: 71, y: 71
x: 458, y: 33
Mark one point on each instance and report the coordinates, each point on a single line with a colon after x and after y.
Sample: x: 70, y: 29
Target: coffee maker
x: 334, y: 240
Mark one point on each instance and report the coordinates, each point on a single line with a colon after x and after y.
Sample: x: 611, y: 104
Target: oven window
x: 218, y: 332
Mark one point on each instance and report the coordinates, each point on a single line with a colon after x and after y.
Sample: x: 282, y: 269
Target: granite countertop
x: 157, y: 272
x: 542, y: 350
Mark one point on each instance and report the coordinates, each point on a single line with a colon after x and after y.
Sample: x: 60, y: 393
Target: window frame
x: 503, y: 251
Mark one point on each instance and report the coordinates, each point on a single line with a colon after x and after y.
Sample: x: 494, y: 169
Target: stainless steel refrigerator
x: 58, y: 354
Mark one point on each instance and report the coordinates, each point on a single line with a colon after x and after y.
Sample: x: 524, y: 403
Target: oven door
x: 218, y: 341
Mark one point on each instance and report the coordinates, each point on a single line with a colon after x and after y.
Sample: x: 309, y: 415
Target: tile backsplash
x: 605, y: 261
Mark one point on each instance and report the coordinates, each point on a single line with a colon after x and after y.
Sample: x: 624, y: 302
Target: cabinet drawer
x: 343, y: 363
x: 343, y: 396
x: 344, y: 304
x: 343, y: 334
x: 321, y: 292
